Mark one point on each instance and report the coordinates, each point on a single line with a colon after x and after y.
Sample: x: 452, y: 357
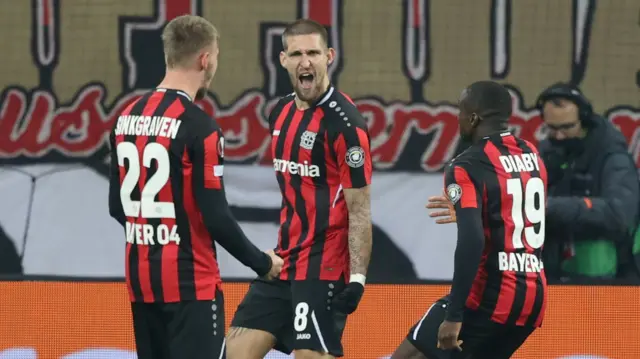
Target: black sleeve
x: 466, y: 195
x: 613, y: 212
x: 115, y: 204
x: 351, y: 145
x: 211, y: 200
x: 350, y: 142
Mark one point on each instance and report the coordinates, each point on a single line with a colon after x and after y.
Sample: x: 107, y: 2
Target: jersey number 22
x: 147, y: 207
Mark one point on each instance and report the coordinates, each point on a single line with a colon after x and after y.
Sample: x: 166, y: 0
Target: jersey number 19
x: 533, y: 211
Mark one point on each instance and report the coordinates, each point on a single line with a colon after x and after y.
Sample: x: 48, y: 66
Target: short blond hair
x: 185, y: 36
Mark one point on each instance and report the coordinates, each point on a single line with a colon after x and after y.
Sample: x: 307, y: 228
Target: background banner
x: 73, y: 320
x: 82, y: 240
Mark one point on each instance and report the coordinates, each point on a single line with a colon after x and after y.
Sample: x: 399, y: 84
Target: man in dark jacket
x: 592, y: 209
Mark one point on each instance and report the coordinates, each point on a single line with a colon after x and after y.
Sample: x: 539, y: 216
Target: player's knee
x: 406, y: 350
x: 310, y: 354
x: 244, y: 343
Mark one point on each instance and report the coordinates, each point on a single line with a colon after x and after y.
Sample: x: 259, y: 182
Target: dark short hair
x: 558, y: 101
x: 489, y: 100
x: 304, y: 27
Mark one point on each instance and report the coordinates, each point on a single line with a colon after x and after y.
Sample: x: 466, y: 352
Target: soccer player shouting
x: 321, y: 159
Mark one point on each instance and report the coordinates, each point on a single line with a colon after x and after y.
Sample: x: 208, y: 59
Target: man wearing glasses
x: 592, y: 209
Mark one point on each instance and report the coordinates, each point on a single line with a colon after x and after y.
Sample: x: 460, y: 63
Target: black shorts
x: 189, y: 329
x: 482, y: 337
x: 298, y: 313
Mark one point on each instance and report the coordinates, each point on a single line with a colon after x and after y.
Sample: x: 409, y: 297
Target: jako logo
x: 294, y: 168
x: 303, y: 336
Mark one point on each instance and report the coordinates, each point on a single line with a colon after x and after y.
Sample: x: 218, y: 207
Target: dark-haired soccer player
x: 166, y: 188
x: 322, y: 162
x: 497, y: 191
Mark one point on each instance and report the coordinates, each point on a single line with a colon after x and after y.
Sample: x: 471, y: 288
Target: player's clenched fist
x: 447, y: 213
x: 448, y: 336
x: 276, y: 264
x: 347, y: 301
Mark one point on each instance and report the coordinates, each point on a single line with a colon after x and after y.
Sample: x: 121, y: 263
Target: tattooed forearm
x: 360, y: 229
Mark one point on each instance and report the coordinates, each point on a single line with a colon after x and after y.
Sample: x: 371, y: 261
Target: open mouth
x: 306, y: 80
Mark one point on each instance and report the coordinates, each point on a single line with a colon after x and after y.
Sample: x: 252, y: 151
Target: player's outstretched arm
x: 466, y: 196
x: 210, y: 197
x: 224, y: 229
x: 446, y: 213
x: 466, y: 260
x: 115, y: 204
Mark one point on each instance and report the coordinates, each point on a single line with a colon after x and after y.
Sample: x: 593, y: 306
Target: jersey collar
x: 497, y: 135
x: 322, y: 98
x: 179, y: 92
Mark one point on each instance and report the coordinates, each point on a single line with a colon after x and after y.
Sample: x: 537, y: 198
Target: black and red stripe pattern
x: 183, y: 267
x: 317, y: 153
x: 494, y: 175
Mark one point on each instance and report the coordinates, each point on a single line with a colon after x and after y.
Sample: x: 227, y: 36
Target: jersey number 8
x: 147, y: 207
x: 533, y: 214
x: 300, y: 319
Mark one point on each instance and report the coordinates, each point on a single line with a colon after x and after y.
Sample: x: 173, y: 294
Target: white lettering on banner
x: 147, y: 126
x: 519, y: 262
x: 149, y: 235
x: 525, y: 162
x: 294, y: 168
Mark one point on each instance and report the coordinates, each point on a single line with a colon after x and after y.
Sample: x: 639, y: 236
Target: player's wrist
x: 453, y: 316
x: 358, y: 278
x: 266, y: 266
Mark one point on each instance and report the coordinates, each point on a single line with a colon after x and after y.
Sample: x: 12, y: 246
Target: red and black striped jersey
x: 505, y: 179
x: 166, y: 189
x: 317, y: 153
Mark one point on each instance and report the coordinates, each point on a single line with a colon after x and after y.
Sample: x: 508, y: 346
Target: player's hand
x: 446, y: 213
x: 276, y: 265
x: 448, y: 336
x: 347, y: 301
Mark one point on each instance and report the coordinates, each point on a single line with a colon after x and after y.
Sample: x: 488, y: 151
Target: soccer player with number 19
x: 166, y: 189
x: 496, y: 192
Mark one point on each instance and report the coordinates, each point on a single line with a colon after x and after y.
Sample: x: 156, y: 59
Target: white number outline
x: 533, y: 187
x: 300, y: 321
x: 147, y: 207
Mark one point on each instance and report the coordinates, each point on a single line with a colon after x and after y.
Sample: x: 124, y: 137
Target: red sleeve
x: 353, y: 154
x: 213, y: 147
x: 115, y: 203
x: 461, y: 189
